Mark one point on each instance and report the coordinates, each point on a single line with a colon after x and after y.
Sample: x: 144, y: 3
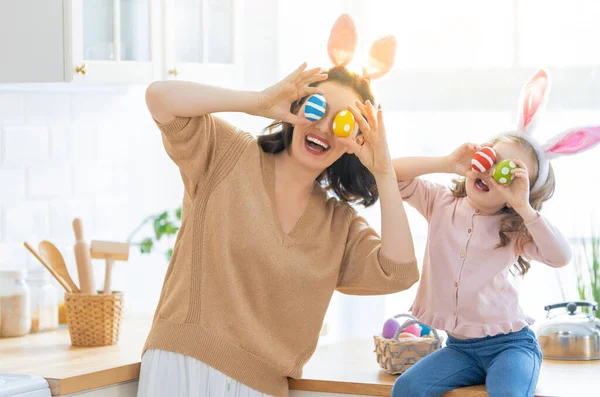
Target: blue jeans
x: 508, y: 365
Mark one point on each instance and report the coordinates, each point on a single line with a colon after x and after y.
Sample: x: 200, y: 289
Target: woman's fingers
x: 361, y: 121
x: 296, y: 73
x: 296, y: 120
x: 314, y: 78
x: 306, y: 91
x: 350, y: 144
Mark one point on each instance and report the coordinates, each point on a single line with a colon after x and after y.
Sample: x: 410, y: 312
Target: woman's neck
x: 292, y: 175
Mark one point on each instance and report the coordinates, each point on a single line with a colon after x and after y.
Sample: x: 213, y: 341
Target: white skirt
x: 171, y: 374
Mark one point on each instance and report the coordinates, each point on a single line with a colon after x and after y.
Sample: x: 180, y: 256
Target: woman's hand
x: 373, y: 150
x: 275, y: 101
x: 459, y: 161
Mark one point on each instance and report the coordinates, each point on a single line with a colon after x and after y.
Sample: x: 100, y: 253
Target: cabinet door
x: 113, y: 40
x: 31, y: 43
x: 203, y: 41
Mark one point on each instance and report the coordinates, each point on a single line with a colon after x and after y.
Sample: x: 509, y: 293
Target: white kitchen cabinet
x: 114, y: 41
x: 203, y: 41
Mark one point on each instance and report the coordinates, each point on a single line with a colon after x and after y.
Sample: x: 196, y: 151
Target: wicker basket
x: 94, y: 320
x: 396, y: 356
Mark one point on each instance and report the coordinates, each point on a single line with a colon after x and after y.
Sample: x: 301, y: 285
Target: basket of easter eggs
x: 401, y: 345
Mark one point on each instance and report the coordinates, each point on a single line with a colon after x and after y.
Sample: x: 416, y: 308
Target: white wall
x: 94, y: 152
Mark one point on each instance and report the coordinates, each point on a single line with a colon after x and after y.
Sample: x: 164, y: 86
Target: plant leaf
x: 146, y: 246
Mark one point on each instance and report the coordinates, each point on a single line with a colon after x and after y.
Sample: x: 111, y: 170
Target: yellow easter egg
x: 343, y: 123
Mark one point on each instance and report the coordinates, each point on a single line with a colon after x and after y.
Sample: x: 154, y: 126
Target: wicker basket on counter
x: 94, y: 320
x: 396, y: 356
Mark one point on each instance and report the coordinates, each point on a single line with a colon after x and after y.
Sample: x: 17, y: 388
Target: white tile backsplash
x: 48, y: 182
x: 47, y: 108
x: 26, y: 220
x: 12, y: 185
x: 25, y: 145
x: 12, y: 111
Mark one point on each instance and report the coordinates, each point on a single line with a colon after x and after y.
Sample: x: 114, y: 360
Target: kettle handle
x: 572, y: 306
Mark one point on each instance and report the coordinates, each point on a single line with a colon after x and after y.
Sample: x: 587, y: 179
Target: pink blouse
x: 464, y: 286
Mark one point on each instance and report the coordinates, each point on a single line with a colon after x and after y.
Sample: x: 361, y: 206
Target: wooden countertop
x: 349, y: 367
x: 71, y: 369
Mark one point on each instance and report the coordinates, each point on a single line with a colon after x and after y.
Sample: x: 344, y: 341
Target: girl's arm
x: 458, y: 162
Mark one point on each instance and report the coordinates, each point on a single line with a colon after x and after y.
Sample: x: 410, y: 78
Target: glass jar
x: 15, y: 304
x: 44, y: 302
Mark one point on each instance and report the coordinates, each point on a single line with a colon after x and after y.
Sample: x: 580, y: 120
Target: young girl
x: 477, y: 231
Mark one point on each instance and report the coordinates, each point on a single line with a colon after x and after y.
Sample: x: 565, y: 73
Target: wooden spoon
x: 49, y: 268
x: 57, y: 262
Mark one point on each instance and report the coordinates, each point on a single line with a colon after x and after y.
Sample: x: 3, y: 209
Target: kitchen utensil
x: 110, y: 251
x: 55, y: 259
x: 85, y: 272
x: 48, y: 267
x: 571, y: 335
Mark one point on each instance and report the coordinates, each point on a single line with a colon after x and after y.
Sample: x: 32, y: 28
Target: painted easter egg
x: 425, y: 330
x: 483, y: 159
x: 406, y: 335
x: 414, y: 329
x: 389, y: 328
x: 502, y: 171
x: 343, y: 123
x: 315, y: 106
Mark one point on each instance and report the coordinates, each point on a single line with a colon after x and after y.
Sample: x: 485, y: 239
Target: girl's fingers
x: 520, y: 163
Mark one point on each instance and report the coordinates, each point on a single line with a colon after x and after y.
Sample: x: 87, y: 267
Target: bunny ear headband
x: 569, y: 142
x: 342, y: 44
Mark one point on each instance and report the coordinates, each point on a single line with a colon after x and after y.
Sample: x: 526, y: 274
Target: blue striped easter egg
x: 315, y: 107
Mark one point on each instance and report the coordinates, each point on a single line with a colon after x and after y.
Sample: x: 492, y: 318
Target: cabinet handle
x: 173, y: 72
x: 82, y: 69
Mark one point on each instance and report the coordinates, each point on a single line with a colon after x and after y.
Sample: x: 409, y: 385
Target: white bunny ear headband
x: 342, y: 44
x: 569, y: 142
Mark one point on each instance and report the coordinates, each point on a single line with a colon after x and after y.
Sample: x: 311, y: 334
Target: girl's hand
x: 516, y: 193
x: 459, y: 161
x: 371, y: 148
x: 275, y: 101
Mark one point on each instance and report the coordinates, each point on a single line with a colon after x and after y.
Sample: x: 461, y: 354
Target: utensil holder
x: 94, y: 319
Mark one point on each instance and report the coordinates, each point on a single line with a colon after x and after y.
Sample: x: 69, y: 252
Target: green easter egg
x: 502, y: 171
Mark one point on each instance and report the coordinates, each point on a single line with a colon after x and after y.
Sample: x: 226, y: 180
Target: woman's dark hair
x: 349, y: 179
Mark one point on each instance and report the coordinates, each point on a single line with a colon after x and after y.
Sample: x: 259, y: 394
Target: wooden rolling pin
x: 85, y: 271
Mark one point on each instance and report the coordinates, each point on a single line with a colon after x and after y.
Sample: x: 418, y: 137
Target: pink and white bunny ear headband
x: 569, y: 142
x: 342, y: 44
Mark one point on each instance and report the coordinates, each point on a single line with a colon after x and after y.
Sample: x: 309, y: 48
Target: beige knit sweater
x: 239, y: 294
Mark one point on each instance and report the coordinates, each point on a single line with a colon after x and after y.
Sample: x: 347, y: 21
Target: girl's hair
x: 349, y: 179
x: 512, y: 225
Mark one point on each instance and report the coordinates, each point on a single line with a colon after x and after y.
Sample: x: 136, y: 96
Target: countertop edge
x: 94, y: 380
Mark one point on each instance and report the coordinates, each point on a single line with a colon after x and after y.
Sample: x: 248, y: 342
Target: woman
x: 262, y: 247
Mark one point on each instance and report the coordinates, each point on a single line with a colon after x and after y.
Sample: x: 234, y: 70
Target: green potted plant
x: 587, y: 267
x: 164, y: 225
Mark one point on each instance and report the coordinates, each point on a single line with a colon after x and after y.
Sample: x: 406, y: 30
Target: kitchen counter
x: 345, y: 368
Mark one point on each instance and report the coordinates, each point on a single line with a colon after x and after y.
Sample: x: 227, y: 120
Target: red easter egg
x: 483, y: 159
